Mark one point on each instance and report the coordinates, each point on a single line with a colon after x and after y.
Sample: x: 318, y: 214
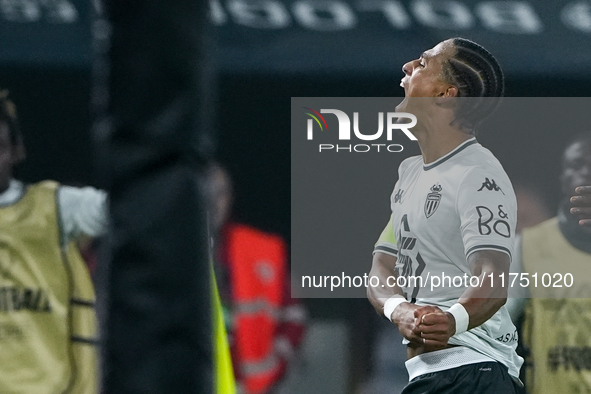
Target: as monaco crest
x: 433, y: 199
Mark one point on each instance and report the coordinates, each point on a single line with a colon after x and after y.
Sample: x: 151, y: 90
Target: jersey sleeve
x: 387, y: 241
x: 83, y: 211
x: 487, y: 209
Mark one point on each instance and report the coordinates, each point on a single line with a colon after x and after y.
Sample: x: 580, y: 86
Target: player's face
x: 423, y: 77
x: 576, y: 167
x: 7, y: 156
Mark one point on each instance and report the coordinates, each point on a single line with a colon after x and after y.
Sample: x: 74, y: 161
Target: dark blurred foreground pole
x: 148, y: 98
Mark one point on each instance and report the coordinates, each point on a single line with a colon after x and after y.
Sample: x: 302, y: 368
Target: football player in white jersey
x: 449, y: 241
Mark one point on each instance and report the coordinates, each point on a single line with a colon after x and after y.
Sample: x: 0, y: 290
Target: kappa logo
x: 398, y: 196
x: 490, y: 185
x: 433, y: 200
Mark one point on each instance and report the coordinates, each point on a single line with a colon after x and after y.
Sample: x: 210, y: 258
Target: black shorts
x: 479, y: 378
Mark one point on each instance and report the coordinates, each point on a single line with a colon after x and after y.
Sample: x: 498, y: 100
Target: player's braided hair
x: 477, y: 74
x: 8, y: 117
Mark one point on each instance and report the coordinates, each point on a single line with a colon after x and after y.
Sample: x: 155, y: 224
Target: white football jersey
x: 441, y: 213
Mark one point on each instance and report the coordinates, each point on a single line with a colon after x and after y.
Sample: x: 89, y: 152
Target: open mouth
x: 404, y: 82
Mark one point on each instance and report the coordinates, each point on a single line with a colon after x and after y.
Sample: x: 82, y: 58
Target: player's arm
x: 475, y: 306
x: 581, y: 203
x: 487, y: 210
x: 386, y: 297
x: 83, y: 212
x: 383, y: 267
x: 483, y: 301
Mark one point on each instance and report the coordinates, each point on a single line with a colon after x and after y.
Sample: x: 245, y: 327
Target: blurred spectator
x: 558, y: 311
x: 581, y: 203
x: 531, y: 207
x: 47, y: 317
x: 265, y: 325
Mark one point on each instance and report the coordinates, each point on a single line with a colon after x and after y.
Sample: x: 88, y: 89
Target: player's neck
x: 436, y: 144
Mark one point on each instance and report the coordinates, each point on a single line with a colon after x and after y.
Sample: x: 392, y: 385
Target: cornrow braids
x: 9, y: 117
x: 477, y: 74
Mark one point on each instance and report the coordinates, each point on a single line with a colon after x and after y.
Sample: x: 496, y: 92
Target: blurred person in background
x: 581, y: 204
x: 265, y: 325
x: 47, y: 319
x: 531, y: 207
x: 556, y: 320
x: 459, y: 340
x: 48, y: 329
x: 532, y: 210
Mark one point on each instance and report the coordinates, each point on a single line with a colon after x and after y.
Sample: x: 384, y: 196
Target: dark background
x: 47, y: 66
x: 266, y: 51
x: 253, y: 130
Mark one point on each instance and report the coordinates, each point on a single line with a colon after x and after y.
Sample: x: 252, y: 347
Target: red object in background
x: 267, y: 324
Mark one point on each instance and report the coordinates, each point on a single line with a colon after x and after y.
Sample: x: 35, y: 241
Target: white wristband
x: 461, y: 316
x: 391, y: 304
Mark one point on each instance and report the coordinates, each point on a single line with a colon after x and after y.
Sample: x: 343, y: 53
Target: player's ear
x: 447, y: 95
x: 447, y: 98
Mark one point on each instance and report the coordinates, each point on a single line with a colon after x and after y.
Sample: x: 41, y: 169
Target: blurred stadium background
x: 266, y: 51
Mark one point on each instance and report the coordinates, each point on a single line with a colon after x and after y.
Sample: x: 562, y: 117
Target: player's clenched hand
x: 581, y: 203
x: 435, y: 328
x: 406, y: 321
